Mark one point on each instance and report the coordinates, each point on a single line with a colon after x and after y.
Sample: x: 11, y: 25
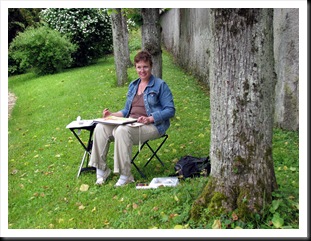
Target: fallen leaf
x: 238, y: 227
x: 81, y: 207
x: 292, y: 169
x: 216, y: 224
x: 234, y: 216
x: 23, y: 174
x: 178, y: 226
x: 84, y: 187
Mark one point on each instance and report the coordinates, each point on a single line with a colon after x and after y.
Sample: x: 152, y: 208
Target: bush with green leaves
x: 14, y: 67
x: 88, y: 28
x: 43, y: 49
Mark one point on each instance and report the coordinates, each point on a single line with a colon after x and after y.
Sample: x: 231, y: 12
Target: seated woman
x: 150, y: 100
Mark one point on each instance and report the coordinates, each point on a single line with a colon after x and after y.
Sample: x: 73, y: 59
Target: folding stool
x: 154, y: 153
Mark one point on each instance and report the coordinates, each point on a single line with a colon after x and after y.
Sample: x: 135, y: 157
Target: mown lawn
x: 44, y: 157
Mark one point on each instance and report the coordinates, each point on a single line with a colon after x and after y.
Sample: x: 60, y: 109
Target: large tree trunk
x: 151, y: 37
x: 120, y: 45
x: 242, y: 84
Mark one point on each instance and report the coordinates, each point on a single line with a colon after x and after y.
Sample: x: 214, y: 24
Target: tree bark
x: 120, y: 45
x: 151, y: 38
x: 242, y: 84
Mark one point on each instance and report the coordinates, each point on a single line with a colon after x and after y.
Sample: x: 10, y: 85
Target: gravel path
x: 12, y: 100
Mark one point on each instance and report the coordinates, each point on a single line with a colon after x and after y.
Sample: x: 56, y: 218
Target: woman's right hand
x: 106, y: 112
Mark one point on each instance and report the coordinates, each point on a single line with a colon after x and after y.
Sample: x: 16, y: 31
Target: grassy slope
x: 44, y: 156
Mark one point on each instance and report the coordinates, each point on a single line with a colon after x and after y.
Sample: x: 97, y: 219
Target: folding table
x: 76, y: 127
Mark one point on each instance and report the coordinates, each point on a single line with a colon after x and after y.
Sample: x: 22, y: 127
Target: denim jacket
x: 158, y: 101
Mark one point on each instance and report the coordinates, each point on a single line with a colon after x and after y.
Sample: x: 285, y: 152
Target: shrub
x: 14, y: 67
x: 88, y: 28
x: 43, y: 49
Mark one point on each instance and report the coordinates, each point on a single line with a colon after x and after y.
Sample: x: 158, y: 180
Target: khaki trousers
x: 124, y: 137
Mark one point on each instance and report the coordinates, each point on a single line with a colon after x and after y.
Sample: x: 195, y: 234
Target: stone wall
x: 186, y: 34
x: 286, y: 55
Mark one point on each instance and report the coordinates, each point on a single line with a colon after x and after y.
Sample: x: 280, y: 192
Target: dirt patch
x: 12, y: 100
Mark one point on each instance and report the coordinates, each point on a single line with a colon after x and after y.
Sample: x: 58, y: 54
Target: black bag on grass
x: 189, y: 166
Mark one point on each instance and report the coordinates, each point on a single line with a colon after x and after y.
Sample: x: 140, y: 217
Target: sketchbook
x: 114, y: 120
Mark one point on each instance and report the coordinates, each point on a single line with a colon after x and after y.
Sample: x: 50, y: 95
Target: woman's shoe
x: 123, y: 180
x: 102, y: 179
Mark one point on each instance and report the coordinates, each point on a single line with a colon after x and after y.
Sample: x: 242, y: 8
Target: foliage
x: 134, y: 18
x: 44, y: 157
x: 41, y: 48
x: 14, y: 65
x: 20, y: 19
x: 88, y: 28
x: 135, y: 43
x: 283, y: 212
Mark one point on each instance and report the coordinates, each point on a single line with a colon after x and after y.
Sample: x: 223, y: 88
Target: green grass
x: 44, y: 156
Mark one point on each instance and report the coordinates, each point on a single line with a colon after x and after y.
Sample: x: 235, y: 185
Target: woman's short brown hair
x: 143, y: 55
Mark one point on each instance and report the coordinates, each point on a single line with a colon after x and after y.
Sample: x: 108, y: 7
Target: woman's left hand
x: 145, y: 120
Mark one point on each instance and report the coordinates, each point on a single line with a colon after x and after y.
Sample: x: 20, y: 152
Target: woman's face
x: 143, y: 70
